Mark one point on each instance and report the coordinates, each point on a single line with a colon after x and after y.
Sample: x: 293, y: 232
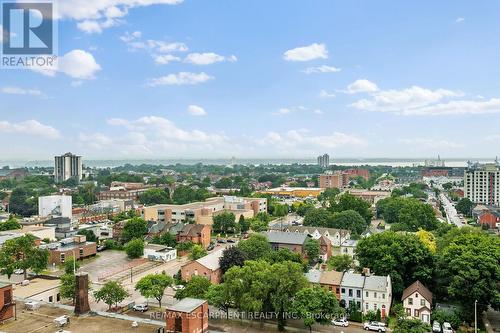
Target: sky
x: 141, y: 79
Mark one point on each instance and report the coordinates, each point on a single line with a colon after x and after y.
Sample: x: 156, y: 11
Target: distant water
x: 340, y: 161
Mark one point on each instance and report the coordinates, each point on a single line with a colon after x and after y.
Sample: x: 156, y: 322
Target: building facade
x: 55, y: 205
x: 67, y: 166
x: 324, y: 161
x: 482, y: 183
x: 207, y: 266
x: 6, y: 302
x: 377, y: 294
x: 417, y: 302
x: 189, y: 315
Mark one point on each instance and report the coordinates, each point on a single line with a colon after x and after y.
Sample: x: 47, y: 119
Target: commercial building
x: 157, y: 252
x: 55, y: 206
x: 207, y: 266
x: 39, y: 232
x: 76, y: 246
x: 482, y: 183
x: 294, y: 192
x: 417, y: 302
x: 324, y: 160
x: 341, y: 178
x: 67, y: 166
x: 203, y: 212
x: 121, y: 193
x: 189, y: 315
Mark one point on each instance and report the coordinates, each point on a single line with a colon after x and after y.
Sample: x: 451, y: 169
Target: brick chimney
x: 82, y: 293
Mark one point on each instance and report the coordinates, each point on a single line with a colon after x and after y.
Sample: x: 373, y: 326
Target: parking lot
x: 106, y: 262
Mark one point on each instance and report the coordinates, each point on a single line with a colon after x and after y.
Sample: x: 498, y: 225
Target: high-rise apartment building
x: 482, y: 183
x: 324, y: 160
x: 67, y: 166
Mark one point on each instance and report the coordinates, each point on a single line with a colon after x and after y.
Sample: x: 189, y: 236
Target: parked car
x: 101, y: 248
x: 374, y: 326
x: 19, y: 271
x: 231, y: 241
x: 447, y: 328
x: 221, y: 241
x: 211, y: 247
x: 141, y: 307
x: 436, y: 327
x: 340, y: 322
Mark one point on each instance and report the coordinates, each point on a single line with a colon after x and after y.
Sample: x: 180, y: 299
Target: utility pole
x: 475, y: 316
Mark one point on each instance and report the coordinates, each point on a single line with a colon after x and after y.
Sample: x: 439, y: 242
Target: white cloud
x: 181, y: 78
x: 321, y: 69
x: 460, y: 20
x: 77, y: 64
x: 431, y: 143
x: 196, y: 110
x: 307, y: 53
x: 165, y: 59
x: 361, y: 85
x: 95, y: 15
x: 207, y: 58
x: 30, y: 127
x: 20, y: 91
x: 302, y: 140
x: 403, y: 100
x: 457, y: 107
x: 325, y: 94
x: 293, y: 109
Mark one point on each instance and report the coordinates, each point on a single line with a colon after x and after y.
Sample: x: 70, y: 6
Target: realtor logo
x: 28, y: 35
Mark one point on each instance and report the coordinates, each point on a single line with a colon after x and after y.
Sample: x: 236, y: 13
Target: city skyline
x: 173, y: 79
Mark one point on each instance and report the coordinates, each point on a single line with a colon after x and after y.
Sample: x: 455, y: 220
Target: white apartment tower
x: 324, y: 160
x: 482, y: 183
x: 67, y: 166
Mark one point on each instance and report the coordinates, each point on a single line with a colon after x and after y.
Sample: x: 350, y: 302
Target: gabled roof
x: 417, y: 286
x: 286, y: 237
x: 192, y: 229
x: 331, y: 277
x: 376, y: 282
x: 211, y: 261
x: 313, y: 276
x: 321, y: 230
x: 353, y: 280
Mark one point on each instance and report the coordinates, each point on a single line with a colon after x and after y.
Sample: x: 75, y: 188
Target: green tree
x: 154, y: 285
x: 255, y: 247
x: 316, y: 305
x: 197, y: 287
x: 71, y: 265
x: 197, y: 252
x: 224, y: 222
x: 350, y: 220
x: 312, y: 249
x: 411, y: 326
x: 154, y: 196
x: 340, y: 263
x: 282, y: 255
x: 134, y: 228
x: 166, y: 239
x: 244, y: 224
x: 465, y: 206
x: 22, y: 253
x: 317, y: 217
x: 328, y: 194
x: 11, y: 224
x: 232, y: 256
x: 67, y: 287
x: 111, y: 293
x: 23, y: 201
x: 409, y: 214
x: 135, y: 248
x: 402, y: 256
x: 469, y: 268
x: 220, y: 296
x: 348, y: 201
x: 89, y: 235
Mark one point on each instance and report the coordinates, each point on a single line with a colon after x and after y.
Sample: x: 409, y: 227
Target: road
x: 451, y: 212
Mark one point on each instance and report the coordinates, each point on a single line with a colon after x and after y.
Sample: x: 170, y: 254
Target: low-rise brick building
x: 76, y: 246
x: 189, y: 315
x: 195, y: 233
x: 6, y: 301
x: 207, y: 266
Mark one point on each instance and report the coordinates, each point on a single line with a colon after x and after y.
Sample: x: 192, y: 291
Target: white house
x: 156, y: 252
x: 351, y: 290
x: 336, y: 236
x: 348, y: 247
x: 417, y: 302
x: 377, y: 294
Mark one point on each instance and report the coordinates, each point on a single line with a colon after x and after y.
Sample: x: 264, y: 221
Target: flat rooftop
x: 187, y: 305
x: 35, y: 287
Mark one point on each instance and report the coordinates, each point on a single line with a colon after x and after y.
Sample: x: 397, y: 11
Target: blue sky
x: 210, y: 79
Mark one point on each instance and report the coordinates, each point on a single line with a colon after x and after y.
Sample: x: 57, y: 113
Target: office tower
x: 67, y: 166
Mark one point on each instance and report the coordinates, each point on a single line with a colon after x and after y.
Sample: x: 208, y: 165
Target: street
x: 451, y: 212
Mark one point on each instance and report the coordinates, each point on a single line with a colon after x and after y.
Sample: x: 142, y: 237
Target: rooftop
x: 417, y: 286
x: 157, y: 247
x: 187, y: 305
x: 313, y: 276
x: 286, y: 237
x: 353, y: 280
x: 211, y: 260
x: 376, y: 283
x: 35, y: 287
x: 331, y: 277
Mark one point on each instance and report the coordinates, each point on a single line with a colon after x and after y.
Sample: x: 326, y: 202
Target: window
x: 383, y: 296
x: 367, y: 294
x: 366, y: 306
x: 350, y: 292
x: 358, y: 293
x: 58, y: 297
x: 358, y: 304
x: 81, y: 252
x: 51, y: 299
x: 375, y: 294
x: 62, y: 257
x: 422, y: 302
x: 410, y: 301
x: 343, y: 290
x: 417, y: 314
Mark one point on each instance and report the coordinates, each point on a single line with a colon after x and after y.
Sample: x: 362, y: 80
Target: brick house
x: 6, y: 302
x: 207, y: 266
x: 491, y: 219
x: 331, y: 280
x: 195, y: 233
x: 417, y: 302
x: 189, y: 315
x: 325, y: 247
x: 292, y: 241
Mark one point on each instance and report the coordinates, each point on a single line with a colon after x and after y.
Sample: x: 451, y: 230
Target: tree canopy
x: 154, y: 285
x: 22, y: 253
x: 111, y: 293
x: 232, y: 256
x: 255, y: 247
x: 407, y: 214
x: 134, y: 228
